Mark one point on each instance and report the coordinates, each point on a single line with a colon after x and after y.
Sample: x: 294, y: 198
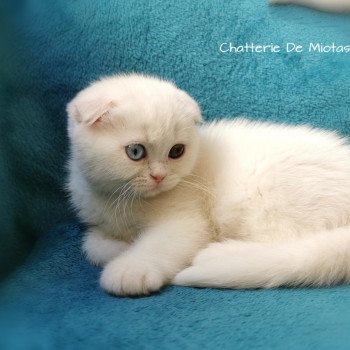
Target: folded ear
x: 90, y: 109
x: 190, y: 106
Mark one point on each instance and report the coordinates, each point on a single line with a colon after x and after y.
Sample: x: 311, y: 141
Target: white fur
x: 279, y: 196
x: 100, y: 249
x: 283, y: 197
x: 318, y: 260
x: 324, y: 5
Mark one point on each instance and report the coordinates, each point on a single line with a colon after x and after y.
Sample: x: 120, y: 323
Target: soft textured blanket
x: 59, y: 306
x: 50, y: 50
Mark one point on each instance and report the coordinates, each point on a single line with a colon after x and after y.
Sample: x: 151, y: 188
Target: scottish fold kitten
x: 324, y: 5
x: 232, y: 203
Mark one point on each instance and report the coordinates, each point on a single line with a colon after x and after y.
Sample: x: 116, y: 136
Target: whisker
x: 120, y: 187
x: 198, y: 186
x: 120, y: 200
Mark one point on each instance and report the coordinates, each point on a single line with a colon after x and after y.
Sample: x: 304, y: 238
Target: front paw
x: 125, y: 276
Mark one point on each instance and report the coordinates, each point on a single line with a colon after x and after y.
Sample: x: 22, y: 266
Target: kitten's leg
x: 100, y: 249
x: 156, y: 257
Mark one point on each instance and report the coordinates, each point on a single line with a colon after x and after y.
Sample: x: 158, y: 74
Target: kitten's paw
x: 192, y: 276
x: 223, y: 264
x: 99, y: 249
x: 213, y: 252
x: 195, y: 275
x: 125, y: 276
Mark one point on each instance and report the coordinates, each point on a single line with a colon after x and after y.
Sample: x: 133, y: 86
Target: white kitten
x: 134, y: 144
x: 324, y: 5
x: 155, y: 189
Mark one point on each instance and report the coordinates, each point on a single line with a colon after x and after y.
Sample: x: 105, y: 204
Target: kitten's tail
x: 323, y: 5
x: 316, y: 260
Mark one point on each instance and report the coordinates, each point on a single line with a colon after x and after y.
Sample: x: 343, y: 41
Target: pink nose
x: 157, y: 178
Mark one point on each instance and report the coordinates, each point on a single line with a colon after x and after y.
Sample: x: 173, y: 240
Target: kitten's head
x: 134, y: 131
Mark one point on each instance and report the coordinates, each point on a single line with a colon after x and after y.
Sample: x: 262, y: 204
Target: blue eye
x: 177, y: 151
x: 135, y: 151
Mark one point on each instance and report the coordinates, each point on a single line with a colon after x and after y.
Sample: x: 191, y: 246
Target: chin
x: 151, y: 193
x: 157, y: 190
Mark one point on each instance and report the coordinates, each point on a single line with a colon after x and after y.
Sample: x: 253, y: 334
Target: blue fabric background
x: 58, y: 305
x: 52, y: 49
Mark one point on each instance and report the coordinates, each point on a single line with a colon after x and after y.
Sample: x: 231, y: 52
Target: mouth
x: 151, y: 192
x: 156, y: 189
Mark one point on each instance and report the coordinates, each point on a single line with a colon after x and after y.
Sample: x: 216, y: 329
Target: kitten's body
x: 282, y: 198
x: 280, y: 195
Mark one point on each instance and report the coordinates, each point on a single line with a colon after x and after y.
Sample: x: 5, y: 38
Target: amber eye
x: 136, y: 151
x: 177, y: 151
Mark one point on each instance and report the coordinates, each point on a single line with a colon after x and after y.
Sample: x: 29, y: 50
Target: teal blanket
x: 49, y: 51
